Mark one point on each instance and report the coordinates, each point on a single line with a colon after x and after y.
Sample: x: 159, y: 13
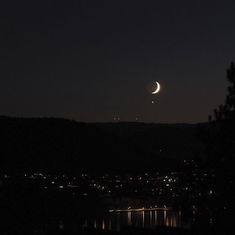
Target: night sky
x: 94, y: 60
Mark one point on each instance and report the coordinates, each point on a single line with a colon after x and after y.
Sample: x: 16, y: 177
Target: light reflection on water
x: 142, y: 219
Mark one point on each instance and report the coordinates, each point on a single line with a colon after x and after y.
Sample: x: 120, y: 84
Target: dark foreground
x: 130, y: 231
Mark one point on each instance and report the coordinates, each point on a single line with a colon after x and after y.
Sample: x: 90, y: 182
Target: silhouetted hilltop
x: 167, y: 140
x: 61, y: 145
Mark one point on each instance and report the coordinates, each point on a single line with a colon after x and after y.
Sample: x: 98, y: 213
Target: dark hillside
x: 60, y: 145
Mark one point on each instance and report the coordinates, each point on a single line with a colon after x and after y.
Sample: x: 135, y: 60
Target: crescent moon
x: 157, y: 89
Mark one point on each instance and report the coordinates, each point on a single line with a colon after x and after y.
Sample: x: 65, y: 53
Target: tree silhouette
x: 227, y: 111
x: 224, y: 125
x: 219, y: 136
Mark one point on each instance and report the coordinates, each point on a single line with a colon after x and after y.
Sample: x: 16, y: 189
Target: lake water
x: 141, y: 219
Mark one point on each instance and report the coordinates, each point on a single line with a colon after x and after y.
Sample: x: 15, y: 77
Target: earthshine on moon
x: 157, y: 89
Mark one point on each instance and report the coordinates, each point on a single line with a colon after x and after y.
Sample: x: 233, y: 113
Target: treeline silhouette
x: 60, y: 145
x: 218, y: 135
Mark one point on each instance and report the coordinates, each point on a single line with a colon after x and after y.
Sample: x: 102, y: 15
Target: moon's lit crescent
x: 157, y: 89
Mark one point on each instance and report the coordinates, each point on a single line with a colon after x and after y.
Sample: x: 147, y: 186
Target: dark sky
x: 93, y: 60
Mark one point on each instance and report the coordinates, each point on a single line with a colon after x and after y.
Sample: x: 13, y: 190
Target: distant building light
x: 72, y: 186
x: 61, y: 225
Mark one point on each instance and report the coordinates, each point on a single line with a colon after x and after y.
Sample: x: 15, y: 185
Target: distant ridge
x: 62, y: 145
